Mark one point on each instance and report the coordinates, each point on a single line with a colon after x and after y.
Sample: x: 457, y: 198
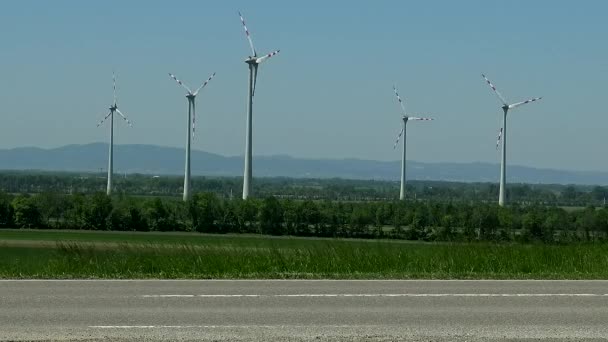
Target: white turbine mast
x: 253, y: 61
x: 405, y: 118
x: 191, y: 130
x: 113, y: 109
x: 502, y: 138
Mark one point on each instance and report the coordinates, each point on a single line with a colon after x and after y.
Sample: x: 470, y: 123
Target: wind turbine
x: 403, y: 133
x: 113, y: 109
x: 253, y: 61
x: 191, y: 96
x: 502, y: 135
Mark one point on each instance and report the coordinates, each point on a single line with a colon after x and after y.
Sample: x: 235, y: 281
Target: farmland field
x: 27, y: 254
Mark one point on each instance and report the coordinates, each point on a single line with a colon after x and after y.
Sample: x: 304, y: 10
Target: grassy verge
x: 103, y: 255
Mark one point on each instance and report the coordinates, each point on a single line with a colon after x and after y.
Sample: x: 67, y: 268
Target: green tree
x: 119, y: 219
x: 97, y: 210
x: 532, y: 224
x: 485, y: 219
x: 6, y: 210
x: 586, y: 222
x: 74, y: 218
x: 53, y: 207
x: 203, y: 209
x: 158, y: 216
x: 26, y: 213
x: 360, y: 219
x: 602, y: 221
x: 311, y: 215
x: 290, y: 217
x: 271, y: 217
x: 246, y: 212
x: 226, y: 217
x: 329, y: 219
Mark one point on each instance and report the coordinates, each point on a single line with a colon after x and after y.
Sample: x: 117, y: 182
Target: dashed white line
x: 355, y: 295
x: 214, y: 326
x: 209, y: 326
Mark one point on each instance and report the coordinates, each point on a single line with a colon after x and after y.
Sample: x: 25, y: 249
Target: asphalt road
x: 304, y: 310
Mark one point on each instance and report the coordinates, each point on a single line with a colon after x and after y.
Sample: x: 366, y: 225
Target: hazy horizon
x: 103, y: 157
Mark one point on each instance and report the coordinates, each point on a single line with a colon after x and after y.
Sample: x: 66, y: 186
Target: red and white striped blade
x: 193, y: 124
x: 410, y: 118
x: 114, y: 85
x: 104, y: 119
x: 248, y: 35
x: 124, y: 117
x: 515, y: 105
x: 398, y: 138
x: 399, y: 99
x: 265, y: 57
x: 180, y: 83
x: 204, y: 84
x: 502, y: 99
x: 255, y: 78
x: 499, y: 138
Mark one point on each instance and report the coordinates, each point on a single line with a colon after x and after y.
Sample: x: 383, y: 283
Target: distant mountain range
x: 158, y: 160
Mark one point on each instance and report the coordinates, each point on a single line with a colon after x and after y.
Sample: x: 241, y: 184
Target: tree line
x: 301, y: 189
x: 208, y: 213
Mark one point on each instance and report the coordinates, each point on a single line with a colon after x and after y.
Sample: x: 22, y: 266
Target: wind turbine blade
x: 204, y: 84
x: 124, y: 117
x: 193, y: 119
x: 114, y: 85
x: 399, y: 99
x: 499, y: 137
x: 502, y: 99
x: 398, y: 138
x: 104, y: 119
x: 515, y: 105
x: 409, y: 118
x: 248, y: 35
x: 255, y: 79
x: 180, y: 83
x: 265, y: 57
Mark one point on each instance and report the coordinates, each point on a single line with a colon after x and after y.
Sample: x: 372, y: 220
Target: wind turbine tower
x: 191, y: 96
x: 113, y: 109
x: 403, y: 133
x: 502, y: 196
x: 253, y: 61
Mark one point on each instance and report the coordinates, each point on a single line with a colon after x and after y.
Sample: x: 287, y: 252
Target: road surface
x: 304, y: 310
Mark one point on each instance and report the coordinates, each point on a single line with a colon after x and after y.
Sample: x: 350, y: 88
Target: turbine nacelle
x: 114, y: 108
x: 505, y: 105
x: 405, y: 117
x: 190, y: 95
x: 253, y: 59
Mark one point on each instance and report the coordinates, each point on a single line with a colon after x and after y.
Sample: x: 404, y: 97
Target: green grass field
x: 70, y: 254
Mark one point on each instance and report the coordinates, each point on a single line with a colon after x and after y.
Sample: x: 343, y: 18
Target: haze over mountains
x: 158, y: 160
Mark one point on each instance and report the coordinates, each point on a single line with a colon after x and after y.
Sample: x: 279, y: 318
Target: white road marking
x: 211, y: 326
x: 346, y: 295
x: 169, y: 296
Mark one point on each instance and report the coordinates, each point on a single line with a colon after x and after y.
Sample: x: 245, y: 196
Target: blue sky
x: 328, y: 94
